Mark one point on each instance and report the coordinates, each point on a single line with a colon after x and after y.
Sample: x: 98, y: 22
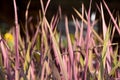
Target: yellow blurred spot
x: 8, y: 37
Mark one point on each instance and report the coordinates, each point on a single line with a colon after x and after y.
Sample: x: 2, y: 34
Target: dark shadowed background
x: 7, y: 10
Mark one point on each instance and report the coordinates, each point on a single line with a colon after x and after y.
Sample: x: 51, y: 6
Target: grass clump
x: 45, y: 55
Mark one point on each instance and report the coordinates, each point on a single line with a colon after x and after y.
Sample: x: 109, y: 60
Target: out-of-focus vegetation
x: 44, y: 54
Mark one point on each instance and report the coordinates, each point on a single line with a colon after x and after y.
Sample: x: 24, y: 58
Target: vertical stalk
x: 88, y: 38
x: 16, y: 42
